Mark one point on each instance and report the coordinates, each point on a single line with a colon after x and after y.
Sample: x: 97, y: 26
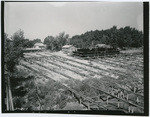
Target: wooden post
x: 137, y: 100
x: 118, y: 95
x: 122, y: 94
x: 88, y: 106
x: 118, y: 104
x: 129, y: 109
x: 107, y: 100
x: 132, y: 109
x: 127, y: 97
x: 134, y: 89
x: 79, y: 100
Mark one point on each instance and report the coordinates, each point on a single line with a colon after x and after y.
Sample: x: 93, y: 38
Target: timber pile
x: 96, y: 52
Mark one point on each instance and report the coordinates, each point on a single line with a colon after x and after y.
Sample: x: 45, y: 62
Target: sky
x: 42, y: 19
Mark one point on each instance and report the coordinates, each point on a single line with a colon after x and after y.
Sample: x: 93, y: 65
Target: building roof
x: 26, y: 49
x: 103, y: 46
x: 39, y: 44
x: 67, y: 46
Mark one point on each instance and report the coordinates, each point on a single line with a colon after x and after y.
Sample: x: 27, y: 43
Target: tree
x: 37, y: 40
x: 12, y: 53
x: 18, y: 38
x: 28, y: 43
x: 13, y: 50
x: 62, y: 39
x: 56, y: 43
x: 50, y: 42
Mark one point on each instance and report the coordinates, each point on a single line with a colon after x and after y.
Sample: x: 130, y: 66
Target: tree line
x: 123, y: 37
x: 118, y: 38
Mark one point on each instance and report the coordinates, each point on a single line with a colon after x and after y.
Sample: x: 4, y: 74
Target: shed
x: 39, y: 45
x: 26, y: 50
x: 68, y: 48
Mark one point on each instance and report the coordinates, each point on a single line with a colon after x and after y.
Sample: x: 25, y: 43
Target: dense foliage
x: 30, y: 43
x: 56, y: 43
x: 13, y: 50
x: 123, y: 37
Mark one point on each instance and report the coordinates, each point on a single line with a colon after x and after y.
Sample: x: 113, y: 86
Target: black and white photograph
x: 73, y: 57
